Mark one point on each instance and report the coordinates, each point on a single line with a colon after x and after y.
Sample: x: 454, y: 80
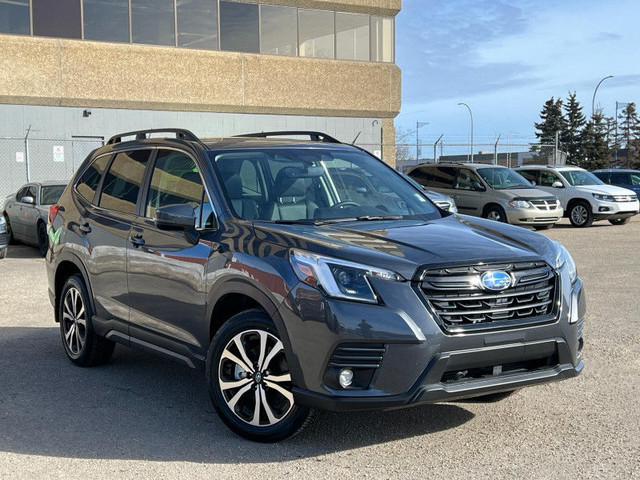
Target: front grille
x: 358, y: 355
x: 461, y: 303
x: 625, y: 198
x: 547, y: 204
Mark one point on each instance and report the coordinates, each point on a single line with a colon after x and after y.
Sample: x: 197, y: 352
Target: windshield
x: 312, y: 185
x: 502, y: 178
x: 50, y: 195
x: 580, y: 177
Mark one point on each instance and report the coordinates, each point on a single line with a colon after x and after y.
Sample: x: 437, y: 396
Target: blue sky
x: 505, y: 58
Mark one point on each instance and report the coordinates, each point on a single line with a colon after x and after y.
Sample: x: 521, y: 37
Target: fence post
x: 26, y: 154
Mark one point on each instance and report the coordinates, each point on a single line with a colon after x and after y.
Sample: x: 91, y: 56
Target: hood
x: 405, y: 245
x: 606, y: 190
x: 528, y: 193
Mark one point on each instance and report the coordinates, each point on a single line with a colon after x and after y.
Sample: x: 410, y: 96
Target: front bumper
x: 614, y: 210
x: 533, y: 216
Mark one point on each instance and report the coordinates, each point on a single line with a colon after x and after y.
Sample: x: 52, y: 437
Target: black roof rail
x: 313, y: 136
x: 181, y: 133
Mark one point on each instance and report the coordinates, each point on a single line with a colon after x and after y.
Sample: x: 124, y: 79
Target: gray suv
x: 264, y: 262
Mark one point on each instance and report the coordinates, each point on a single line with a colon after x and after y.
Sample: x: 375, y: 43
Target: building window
x: 14, y: 17
x: 57, y: 19
x: 106, y: 20
x: 239, y: 27
x: 278, y: 30
x: 352, y: 36
x: 316, y: 33
x: 153, y: 22
x: 382, y: 39
x: 198, y: 24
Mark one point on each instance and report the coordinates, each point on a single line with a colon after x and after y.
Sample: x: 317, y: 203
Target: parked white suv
x: 584, y: 197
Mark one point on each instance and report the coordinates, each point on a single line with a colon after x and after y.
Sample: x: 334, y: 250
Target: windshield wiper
x: 365, y: 218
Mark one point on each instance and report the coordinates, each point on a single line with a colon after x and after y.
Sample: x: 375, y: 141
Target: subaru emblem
x: 495, y: 280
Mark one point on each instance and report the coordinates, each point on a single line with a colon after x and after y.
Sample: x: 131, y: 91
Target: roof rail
x: 313, y: 136
x: 181, y: 133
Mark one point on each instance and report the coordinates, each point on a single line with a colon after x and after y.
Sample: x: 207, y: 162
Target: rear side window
x: 531, y: 175
x: 122, y: 182
x: 619, y: 178
x: 437, y: 177
x: 90, y: 179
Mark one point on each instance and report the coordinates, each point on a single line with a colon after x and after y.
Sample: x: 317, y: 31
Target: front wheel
x: 580, y: 215
x: 620, y: 221
x: 495, y: 213
x: 249, y: 380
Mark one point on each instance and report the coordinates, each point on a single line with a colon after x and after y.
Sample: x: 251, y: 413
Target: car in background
x: 26, y: 213
x: 629, y: 179
x: 445, y: 202
x: 3, y: 237
x: 584, y: 197
x: 490, y: 191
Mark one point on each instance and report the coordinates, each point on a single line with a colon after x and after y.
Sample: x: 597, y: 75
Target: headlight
x: 520, y: 204
x: 339, y: 278
x: 564, y: 260
x: 604, y: 198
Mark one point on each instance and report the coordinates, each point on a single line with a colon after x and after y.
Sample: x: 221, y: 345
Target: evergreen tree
x: 552, y: 121
x: 629, y: 134
x: 572, y: 135
x: 596, y: 152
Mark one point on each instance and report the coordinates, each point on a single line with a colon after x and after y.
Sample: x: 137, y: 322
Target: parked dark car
x: 26, y: 212
x: 241, y: 257
x: 629, y: 179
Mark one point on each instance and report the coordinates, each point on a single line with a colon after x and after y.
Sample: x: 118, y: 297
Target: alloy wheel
x: 579, y: 214
x: 74, y: 322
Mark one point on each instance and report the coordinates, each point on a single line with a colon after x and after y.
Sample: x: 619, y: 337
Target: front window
x: 577, y: 178
x: 503, y: 178
x: 51, y: 194
x: 315, y: 185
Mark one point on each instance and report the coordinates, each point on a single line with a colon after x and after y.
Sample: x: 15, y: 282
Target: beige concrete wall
x: 44, y: 71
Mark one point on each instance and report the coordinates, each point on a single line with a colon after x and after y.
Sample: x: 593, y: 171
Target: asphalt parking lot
x: 144, y: 417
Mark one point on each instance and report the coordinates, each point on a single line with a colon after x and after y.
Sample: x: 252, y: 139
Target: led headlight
x: 564, y: 260
x: 604, y: 198
x: 520, y: 204
x: 339, y: 278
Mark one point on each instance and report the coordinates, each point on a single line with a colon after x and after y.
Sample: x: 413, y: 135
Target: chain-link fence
x: 35, y: 160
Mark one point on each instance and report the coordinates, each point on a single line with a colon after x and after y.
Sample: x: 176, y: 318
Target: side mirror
x: 477, y: 186
x: 28, y: 199
x: 175, y: 217
x: 557, y: 184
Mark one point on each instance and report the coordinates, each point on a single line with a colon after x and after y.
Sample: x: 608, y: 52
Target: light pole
x: 593, y: 100
x: 418, y: 125
x: 471, y: 115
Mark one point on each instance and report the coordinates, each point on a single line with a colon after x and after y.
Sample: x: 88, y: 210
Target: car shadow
x: 23, y: 251
x: 141, y: 407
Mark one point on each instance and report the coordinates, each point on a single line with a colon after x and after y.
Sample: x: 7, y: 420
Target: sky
x: 505, y: 58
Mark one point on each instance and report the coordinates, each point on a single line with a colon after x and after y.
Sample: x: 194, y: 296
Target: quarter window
x: 122, y: 182
x: 88, y: 183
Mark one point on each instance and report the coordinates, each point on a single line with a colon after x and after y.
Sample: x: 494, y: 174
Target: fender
x: 67, y: 256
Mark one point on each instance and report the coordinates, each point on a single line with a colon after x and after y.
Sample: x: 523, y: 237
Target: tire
x: 43, y: 239
x: 81, y: 344
x: 3, y: 253
x: 543, y: 227
x: 620, y: 221
x: 580, y: 215
x: 236, y: 386
x: 11, y: 240
x: 492, y: 397
x: 495, y: 212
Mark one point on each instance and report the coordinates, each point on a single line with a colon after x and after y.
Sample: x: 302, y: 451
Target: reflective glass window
x: 57, y: 19
x: 88, y: 183
x: 239, y: 27
x: 106, y: 20
x: 14, y: 17
x: 382, y: 39
x: 152, y: 22
x: 316, y: 33
x: 122, y: 182
x: 352, y: 36
x: 278, y: 30
x: 198, y: 24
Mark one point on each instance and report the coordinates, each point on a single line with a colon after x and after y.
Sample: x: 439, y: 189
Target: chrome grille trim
x: 544, y: 204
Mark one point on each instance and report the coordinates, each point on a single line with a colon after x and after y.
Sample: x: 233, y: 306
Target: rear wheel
x: 580, y: 214
x: 249, y: 380
x: 496, y: 213
x: 620, y: 221
x: 43, y: 239
x: 10, y: 238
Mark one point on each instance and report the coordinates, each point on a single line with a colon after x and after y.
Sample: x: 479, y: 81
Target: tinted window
x: 465, y: 179
x: 278, y: 30
x: 51, y: 194
x: 198, y: 24
x: 57, y: 19
x: 352, y: 41
x: 175, y: 181
x: 531, y: 175
x: 106, y: 20
x: 547, y: 179
x: 239, y: 27
x: 437, y: 177
x: 620, y: 178
x: 122, y: 182
x: 152, y: 22
x: 88, y: 183
x: 316, y: 33
x: 14, y: 17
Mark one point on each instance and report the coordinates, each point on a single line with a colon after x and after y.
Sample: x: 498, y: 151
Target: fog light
x: 603, y: 209
x: 346, y: 377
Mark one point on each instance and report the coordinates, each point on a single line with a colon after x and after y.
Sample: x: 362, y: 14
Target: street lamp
x: 593, y: 100
x: 418, y: 125
x: 471, y: 115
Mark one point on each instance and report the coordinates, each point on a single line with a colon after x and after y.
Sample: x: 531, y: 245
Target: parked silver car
x: 3, y: 237
x: 26, y: 212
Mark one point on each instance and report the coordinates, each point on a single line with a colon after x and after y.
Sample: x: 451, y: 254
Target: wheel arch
x: 489, y: 205
x: 67, y: 267
x: 573, y: 201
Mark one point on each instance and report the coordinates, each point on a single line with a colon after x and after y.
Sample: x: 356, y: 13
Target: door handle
x: 137, y: 240
x: 85, y: 228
